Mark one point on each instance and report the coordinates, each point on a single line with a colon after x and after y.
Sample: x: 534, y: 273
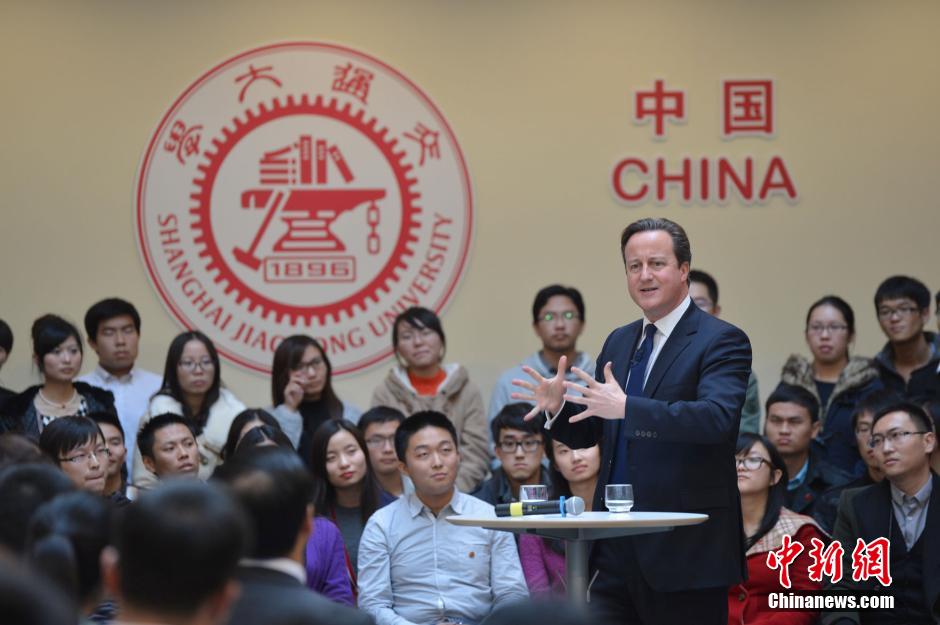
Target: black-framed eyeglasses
x: 895, y: 436
x: 750, y: 463
x: 901, y: 311
x: 529, y: 445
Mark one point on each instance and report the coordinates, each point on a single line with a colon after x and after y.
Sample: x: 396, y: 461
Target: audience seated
x: 174, y: 555
x: 192, y: 388
x: 302, y: 392
x: 703, y: 289
x: 168, y: 448
x: 414, y: 566
x: 905, y: 509
x: 275, y: 487
x: 557, y: 320
x: 76, y: 445
x: 792, y: 424
x: 762, y: 483
x: 246, y: 420
x: 573, y: 473
x: 57, y: 352
x: 837, y: 380
x: 351, y: 493
x: 115, y: 486
x: 325, y: 557
x: 422, y: 382
x: 865, y: 411
x: 23, y: 489
x: 65, y: 541
x: 378, y: 426
x: 519, y: 448
x: 909, y: 362
x: 6, y: 346
x: 113, y: 329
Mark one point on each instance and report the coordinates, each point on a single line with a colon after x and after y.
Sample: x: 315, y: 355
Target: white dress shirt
x: 132, y: 394
x: 415, y: 567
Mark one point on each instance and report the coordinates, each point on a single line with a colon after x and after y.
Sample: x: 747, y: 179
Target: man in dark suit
x: 275, y: 488
x: 905, y: 509
x: 666, y: 407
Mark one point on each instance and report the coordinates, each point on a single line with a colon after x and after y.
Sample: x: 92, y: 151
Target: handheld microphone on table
x: 563, y: 506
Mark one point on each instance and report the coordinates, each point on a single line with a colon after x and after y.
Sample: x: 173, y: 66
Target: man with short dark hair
x: 703, y: 289
x: 905, y: 509
x: 792, y: 424
x: 909, y: 362
x: 378, y: 426
x: 275, y: 489
x: 865, y: 411
x: 519, y: 446
x: 174, y: 555
x: 665, y: 402
x: 558, y: 320
x: 113, y: 329
x: 168, y: 446
x: 414, y: 566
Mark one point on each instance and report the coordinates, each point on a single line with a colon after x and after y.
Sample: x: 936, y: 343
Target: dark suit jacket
x: 866, y: 513
x: 681, y: 437
x: 273, y: 598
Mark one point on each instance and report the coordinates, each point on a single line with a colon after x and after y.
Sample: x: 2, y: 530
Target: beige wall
x: 537, y: 93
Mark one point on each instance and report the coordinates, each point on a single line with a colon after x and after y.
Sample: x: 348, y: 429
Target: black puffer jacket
x: 18, y: 413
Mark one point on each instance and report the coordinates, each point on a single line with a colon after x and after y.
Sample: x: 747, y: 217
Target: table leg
x: 576, y: 571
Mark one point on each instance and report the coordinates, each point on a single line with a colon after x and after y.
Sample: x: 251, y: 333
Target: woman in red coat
x: 762, y: 482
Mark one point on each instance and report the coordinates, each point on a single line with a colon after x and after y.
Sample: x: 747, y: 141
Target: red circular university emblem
x: 303, y: 187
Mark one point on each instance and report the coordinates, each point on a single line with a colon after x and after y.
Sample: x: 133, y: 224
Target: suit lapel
x: 680, y: 338
x: 932, y: 532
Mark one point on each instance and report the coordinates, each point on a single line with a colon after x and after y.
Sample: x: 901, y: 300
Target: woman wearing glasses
x: 302, y: 392
x: 192, y: 388
x: 423, y: 382
x: 77, y: 446
x: 762, y: 482
x: 835, y: 378
x: 57, y: 353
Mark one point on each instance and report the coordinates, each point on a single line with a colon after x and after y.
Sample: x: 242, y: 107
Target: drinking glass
x: 533, y: 492
x: 619, y: 497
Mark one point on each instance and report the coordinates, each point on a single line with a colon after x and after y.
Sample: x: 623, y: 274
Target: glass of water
x: 619, y: 497
x: 533, y: 492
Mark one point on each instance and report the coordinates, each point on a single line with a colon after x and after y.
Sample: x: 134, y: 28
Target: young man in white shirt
x: 414, y: 566
x: 113, y: 328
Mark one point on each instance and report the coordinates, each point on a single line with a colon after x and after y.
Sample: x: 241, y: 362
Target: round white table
x: 576, y: 531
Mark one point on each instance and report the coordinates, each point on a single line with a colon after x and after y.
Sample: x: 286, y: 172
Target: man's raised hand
x: 546, y: 393
x: 600, y: 399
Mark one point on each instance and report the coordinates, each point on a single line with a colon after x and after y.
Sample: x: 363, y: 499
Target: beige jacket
x: 211, y: 441
x: 461, y: 401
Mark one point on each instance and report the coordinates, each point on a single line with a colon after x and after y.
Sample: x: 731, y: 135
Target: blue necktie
x: 618, y: 472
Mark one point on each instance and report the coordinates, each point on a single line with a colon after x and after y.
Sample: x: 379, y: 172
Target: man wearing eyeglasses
x: 909, y: 362
x: 519, y: 447
x: 905, y: 509
x: 558, y: 320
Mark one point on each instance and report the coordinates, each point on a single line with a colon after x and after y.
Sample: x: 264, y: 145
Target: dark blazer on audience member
x: 271, y: 597
x: 818, y: 495
x: 681, y: 437
x: 867, y: 513
x: 19, y: 412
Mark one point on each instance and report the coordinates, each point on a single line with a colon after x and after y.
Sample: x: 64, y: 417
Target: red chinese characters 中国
x: 747, y: 108
x: 827, y: 560
x: 782, y: 559
x: 872, y: 560
x: 659, y: 105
